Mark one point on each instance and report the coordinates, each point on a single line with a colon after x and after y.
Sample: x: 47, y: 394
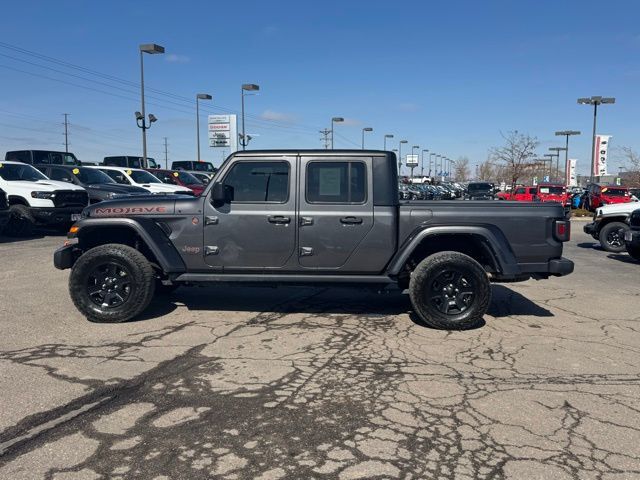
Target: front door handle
x: 351, y: 220
x: 279, y: 219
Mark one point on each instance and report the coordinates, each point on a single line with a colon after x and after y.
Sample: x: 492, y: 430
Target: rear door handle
x: 351, y: 220
x: 279, y: 219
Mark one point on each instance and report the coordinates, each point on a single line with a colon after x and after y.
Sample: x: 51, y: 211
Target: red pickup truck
x: 520, y: 194
x: 552, y: 192
x: 599, y: 195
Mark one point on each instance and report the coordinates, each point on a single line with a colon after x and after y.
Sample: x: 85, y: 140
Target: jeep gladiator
x: 310, y: 217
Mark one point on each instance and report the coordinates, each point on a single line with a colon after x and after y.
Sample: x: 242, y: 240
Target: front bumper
x: 560, y: 267
x: 65, y: 257
x: 591, y: 229
x: 632, y: 239
x: 50, y: 216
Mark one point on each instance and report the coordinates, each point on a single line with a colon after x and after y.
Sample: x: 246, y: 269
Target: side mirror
x: 221, y: 193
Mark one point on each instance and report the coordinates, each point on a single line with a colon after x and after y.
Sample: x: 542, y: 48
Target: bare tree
x: 516, y: 156
x: 486, y: 171
x: 631, y: 160
x: 461, y: 171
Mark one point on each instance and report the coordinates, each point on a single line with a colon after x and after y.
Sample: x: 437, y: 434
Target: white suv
x: 142, y: 178
x: 34, y: 199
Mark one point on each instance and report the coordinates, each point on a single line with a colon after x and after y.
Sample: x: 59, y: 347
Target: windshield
x: 91, y: 176
x: 140, y: 176
x: 203, y: 167
x: 551, y: 190
x: 187, y: 178
x: 54, y: 158
x: 13, y: 172
x: 614, y: 192
x: 476, y: 187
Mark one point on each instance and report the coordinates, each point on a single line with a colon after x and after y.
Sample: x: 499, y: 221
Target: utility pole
x: 166, y: 154
x: 66, y: 132
x: 325, y: 133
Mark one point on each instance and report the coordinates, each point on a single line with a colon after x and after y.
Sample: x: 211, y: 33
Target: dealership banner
x: 601, y: 149
x: 571, y: 179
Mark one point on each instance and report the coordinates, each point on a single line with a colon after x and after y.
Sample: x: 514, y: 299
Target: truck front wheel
x: 612, y: 237
x: 21, y: 222
x: 450, y: 291
x: 111, y: 283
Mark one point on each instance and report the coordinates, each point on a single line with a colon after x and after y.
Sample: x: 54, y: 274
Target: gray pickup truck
x: 310, y: 217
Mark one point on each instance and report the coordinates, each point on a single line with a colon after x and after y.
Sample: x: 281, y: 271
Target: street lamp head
x: 557, y: 149
x: 337, y: 119
x: 416, y: 146
x: 204, y: 96
x: 568, y: 132
x: 425, y: 149
x: 367, y: 129
x: 404, y: 141
x: 250, y: 87
x: 388, y: 135
x: 584, y: 101
x: 139, y: 116
x: 152, y: 118
x: 608, y: 100
x: 151, y: 48
x: 394, y: 150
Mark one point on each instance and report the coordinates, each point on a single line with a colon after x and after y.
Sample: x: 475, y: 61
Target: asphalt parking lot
x: 239, y: 383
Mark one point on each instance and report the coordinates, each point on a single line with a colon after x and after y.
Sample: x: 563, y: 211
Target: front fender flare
x: 492, y: 238
x: 148, y: 230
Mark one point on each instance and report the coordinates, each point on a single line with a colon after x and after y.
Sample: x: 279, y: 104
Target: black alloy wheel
x: 109, y: 285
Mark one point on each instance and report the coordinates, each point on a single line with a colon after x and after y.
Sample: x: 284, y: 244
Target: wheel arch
x: 17, y: 200
x: 143, y: 234
x: 485, y: 244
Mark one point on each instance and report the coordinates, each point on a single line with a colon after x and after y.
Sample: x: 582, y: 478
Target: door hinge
x: 306, y: 251
x: 211, y: 250
x: 210, y: 220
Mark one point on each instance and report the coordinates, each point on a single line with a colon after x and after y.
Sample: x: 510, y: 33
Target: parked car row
x: 54, y: 194
x: 424, y: 191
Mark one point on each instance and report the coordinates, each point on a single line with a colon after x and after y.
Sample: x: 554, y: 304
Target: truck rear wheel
x: 612, y: 237
x: 21, y: 222
x: 111, y: 283
x: 450, y: 291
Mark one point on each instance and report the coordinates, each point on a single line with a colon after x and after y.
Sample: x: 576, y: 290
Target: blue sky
x: 448, y: 76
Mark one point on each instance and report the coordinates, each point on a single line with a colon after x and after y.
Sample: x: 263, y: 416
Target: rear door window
x: 336, y: 182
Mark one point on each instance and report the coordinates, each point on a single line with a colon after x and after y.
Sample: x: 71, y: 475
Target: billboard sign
x: 411, y: 160
x: 601, y: 151
x: 223, y: 132
x: 571, y: 178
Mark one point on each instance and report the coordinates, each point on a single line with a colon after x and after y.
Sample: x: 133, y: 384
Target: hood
x: 625, y: 208
x: 117, y: 188
x: 44, y: 185
x: 615, y: 198
x: 148, y: 205
x: 163, y: 187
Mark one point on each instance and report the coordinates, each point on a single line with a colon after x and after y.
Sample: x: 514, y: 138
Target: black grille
x: 71, y: 199
x: 3, y: 200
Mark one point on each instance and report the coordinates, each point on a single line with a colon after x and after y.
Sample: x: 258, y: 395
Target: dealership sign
x: 600, y: 154
x: 223, y: 131
x: 411, y: 160
x: 571, y: 179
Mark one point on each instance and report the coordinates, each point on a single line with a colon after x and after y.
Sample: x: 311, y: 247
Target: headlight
x: 43, y: 195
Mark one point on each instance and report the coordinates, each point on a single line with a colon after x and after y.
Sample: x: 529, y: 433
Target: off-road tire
x: 634, y: 252
x: 21, y: 222
x: 611, y: 237
x: 426, y: 284
x: 139, y: 272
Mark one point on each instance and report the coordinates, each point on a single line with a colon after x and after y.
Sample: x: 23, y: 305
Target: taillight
x: 562, y: 230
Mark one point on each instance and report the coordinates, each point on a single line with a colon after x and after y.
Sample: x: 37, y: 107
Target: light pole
x: 335, y: 120
x: 151, y: 49
x: 430, y: 155
x: 550, y: 160
x: 422, y: 161
x: 199, y: 96
x: 246, y: 87
x: 595, y: 101
x: 413, y: 149
x: 567, y: 133
x: 388, y: 135
x: 400, y: 156
x: 365, y: 129
x: 557, y: 150
x: 451, y: 162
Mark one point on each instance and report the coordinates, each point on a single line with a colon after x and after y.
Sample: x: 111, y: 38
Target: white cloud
x: 278, y: 116
x: 175, y: 58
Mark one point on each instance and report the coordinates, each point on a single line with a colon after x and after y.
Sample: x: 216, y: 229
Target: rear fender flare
x: 491, y: 238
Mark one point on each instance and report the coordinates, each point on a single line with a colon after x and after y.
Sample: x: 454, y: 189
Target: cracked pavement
x: 259, y: 383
